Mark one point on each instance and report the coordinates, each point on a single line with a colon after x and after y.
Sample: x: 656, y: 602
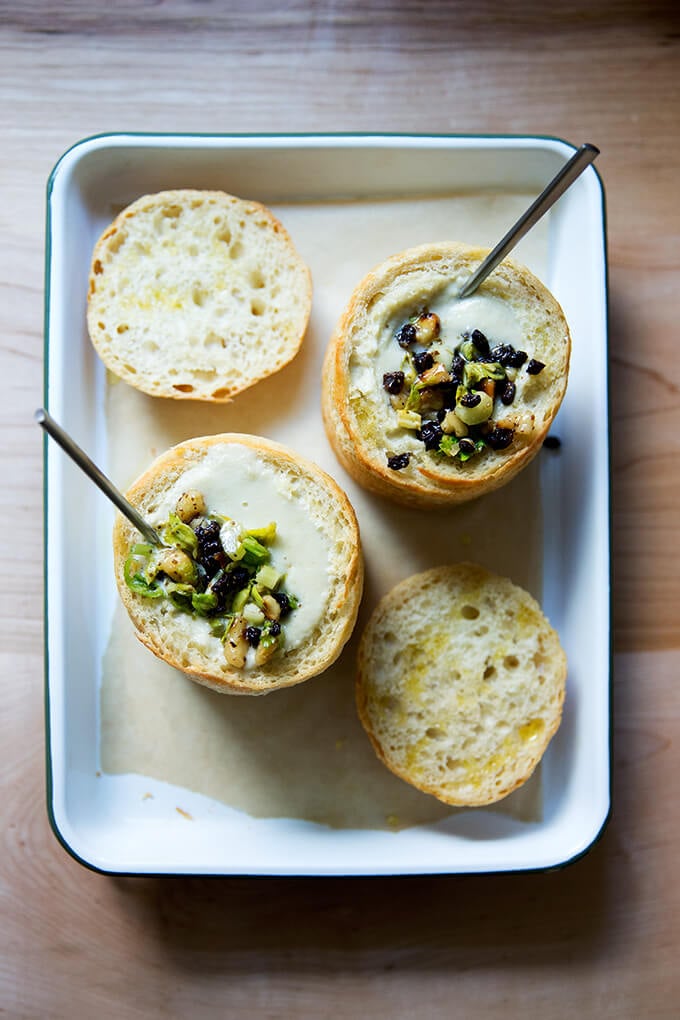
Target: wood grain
x: 600, y: 938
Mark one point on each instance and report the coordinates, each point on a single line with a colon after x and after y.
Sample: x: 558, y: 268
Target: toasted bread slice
x: 196, y: 295
x: 461, y: 681
x: 242, y: 483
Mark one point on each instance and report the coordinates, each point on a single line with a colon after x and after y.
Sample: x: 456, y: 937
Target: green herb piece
x: 468, y: 350
x: 269, y: 640
x: 240, y: 599
x: 479, y: 446
x: 475, y: 371
x: 134, y: 573
x: 141, y: 549
x: 255, y: 554
x: 178, y: 533
x: 267, y: 577
x: 413, y: 401
x: 218, y: 626
x: 494, y: 370
x: 180, y: 595
x: 449, y: 445
x: 204, y: 602
x: 139, y: 586
x: 266, y: 534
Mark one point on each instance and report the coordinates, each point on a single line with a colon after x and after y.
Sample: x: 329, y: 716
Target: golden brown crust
x: 295, y: 665
x: 356, y: 428
x: 399, y: 709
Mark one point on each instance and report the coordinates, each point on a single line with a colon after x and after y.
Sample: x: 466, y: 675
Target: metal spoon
x: 572, y: 169
x: 92, y: 471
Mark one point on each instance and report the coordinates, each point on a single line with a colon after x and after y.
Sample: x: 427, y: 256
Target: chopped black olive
x: 211, y: 555
x: 398, y: 461
x: 423, y: 361
x: 431, y: 434
x: 283, y: 601
x: 470, y: 399
x: 480, y: 341
x: 534, y: 367
x: 502, y: 353
x: 393, y: 382
x: 458, y: 367
x: 406, y: 335
x: 448, y: 394
x: 228, y: 582
x: 466, y: 446
x: 508, y: 393
x: 508, y: 356
x: 252, y: 636
x: 275, y: 628
x: 238, y: 578
x: 552, y: 442
x: 499, y: 438
x: 201, y: 578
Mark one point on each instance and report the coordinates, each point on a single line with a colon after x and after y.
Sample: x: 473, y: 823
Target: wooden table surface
x: 600, y: 938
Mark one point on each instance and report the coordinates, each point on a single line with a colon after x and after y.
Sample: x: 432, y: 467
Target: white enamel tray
x: 104, y: 820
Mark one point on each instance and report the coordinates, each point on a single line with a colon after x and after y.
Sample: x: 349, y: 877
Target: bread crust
x: 290, y: 666
x: 424, y: 722
x: 244, y: 329
x: 356, y: 429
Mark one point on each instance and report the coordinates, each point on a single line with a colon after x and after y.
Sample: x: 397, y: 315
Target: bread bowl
x: 196, y: 295
x: 460, y: 683
x: 432, y: 401
x: 259, y: 582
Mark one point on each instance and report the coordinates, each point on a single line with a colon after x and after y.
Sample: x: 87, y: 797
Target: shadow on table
x: 431, y: 923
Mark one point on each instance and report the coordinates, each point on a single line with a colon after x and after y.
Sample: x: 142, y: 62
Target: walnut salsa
x: 211, y: 568
x: 453, y: 402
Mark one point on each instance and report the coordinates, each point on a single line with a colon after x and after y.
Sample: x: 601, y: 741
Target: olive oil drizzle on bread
x: 196, y: 295
x: 461, y: 682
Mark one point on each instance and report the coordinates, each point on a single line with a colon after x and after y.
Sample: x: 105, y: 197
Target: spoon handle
x: 572, y: 169
x: 98, y: 477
